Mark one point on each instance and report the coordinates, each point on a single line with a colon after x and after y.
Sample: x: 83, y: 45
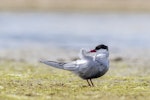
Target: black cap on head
x: 102, y: 46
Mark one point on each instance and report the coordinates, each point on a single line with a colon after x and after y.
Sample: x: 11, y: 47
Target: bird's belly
x: 91, y: 75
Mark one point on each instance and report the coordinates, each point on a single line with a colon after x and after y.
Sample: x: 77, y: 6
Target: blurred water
x: 74, y: 30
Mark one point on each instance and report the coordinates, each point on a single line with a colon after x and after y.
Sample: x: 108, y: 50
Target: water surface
x: 74, y: 30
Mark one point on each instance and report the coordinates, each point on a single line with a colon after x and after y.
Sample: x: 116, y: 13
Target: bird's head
x: 99, y: 47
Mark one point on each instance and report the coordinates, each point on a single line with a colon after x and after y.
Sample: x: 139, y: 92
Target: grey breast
x: 94, y: 71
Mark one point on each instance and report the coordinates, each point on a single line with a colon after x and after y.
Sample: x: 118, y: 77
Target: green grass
x: 24, y: 81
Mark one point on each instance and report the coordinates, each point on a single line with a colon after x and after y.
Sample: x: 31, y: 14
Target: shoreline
x: 33, y: 54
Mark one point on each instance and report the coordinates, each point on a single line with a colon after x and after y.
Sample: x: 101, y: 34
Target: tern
x: 87, y: 67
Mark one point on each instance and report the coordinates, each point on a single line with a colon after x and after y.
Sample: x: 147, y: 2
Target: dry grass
x: 75, y: 5
x: 24, y: 81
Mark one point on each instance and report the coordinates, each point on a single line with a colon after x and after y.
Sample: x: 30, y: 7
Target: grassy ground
x: 24, y: 81
x: 75, y: 5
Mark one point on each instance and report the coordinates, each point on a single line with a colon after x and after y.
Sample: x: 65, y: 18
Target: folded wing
x: 61, y: 65
x: 55, y: 64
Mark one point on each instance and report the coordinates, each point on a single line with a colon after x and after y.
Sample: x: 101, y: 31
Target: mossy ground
x: 24, y: 81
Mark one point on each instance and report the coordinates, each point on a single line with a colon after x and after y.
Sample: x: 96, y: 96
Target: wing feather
x: 55, y: 64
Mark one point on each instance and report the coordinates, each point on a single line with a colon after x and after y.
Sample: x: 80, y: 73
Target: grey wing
x: 83, y: 55
x: 73, y: 66
x: 76, y: 66
x: 66, y: 66
x: 55, y: 64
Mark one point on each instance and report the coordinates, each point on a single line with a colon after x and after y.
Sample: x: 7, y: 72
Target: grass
x: 24, y: 81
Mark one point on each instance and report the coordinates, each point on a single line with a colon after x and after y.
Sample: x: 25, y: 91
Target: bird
x: 88, y: 66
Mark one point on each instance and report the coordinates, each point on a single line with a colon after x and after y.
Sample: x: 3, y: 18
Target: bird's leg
x: 88, y: 82
x: 91, y: 82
